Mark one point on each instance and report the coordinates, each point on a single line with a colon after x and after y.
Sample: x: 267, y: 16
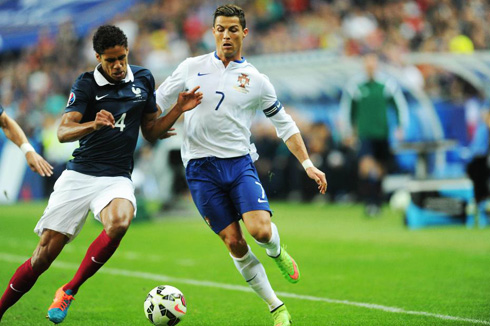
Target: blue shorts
x: 224, y: 189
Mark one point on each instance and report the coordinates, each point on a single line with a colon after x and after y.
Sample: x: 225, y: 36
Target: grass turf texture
x: 342, y: 256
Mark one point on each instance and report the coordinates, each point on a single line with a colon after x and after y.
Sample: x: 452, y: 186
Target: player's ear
x: 245, y: 32
x: 98, y: 57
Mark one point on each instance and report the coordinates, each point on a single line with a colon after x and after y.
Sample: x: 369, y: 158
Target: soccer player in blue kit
x: 219, y: 157
x: 104, y: 112
x: 13, y: 132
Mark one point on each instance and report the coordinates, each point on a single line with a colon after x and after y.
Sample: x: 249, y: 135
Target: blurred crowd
x: 35, y: 81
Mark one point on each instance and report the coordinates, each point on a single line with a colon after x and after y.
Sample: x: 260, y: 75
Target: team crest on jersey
x: 243, y: 81
x: 137, y: 94
x: 71, y: 99
x: 136, y: 91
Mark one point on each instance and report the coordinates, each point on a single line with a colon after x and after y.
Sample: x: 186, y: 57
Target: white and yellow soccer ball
x: 165, y: 305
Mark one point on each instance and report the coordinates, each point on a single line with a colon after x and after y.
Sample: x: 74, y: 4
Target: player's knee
x: 262, y: 235
x: 118, y: 226
x: 41, y: 261
x: 237, y: 246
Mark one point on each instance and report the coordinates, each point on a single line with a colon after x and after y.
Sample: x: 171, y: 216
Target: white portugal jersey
x: 220, y: 125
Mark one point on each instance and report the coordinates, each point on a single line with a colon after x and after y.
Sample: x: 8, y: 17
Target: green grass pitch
x: 355, y: 271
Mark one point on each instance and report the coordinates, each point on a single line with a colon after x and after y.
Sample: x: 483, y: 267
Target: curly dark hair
x: 108, y: 36
x: 230, y: 11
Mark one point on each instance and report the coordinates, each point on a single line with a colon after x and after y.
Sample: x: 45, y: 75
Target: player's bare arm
x: 71, y: 129
x: 13, y: 132
x: 154, y: 128
x: 297, y: 146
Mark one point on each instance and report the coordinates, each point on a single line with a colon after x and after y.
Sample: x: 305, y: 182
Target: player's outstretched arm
x: 70, y: 128
x: 297, y: 146
x: 13, y: 132
x: 154, y: 128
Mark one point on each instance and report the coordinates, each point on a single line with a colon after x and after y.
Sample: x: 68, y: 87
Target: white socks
x: 273, y: 247
x: 254, y: 273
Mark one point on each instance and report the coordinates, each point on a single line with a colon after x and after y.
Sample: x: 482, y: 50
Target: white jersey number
x: 120, y: 123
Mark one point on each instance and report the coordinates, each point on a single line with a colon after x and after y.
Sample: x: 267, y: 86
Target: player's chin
x: 118, y: 76
x: 228, y: 51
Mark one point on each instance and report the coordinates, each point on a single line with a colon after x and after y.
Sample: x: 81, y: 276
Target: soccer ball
x: 165, y: 305
x: 400, y: 200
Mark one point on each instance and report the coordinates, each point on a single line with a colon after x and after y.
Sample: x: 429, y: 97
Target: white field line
x: 169, y: 279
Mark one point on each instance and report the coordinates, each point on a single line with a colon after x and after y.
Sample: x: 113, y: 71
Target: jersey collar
x: 242, y: 60
x: 102, y: 81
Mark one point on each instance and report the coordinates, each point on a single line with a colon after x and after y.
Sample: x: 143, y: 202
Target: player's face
x: 229, y: 35
x: 114, y: 62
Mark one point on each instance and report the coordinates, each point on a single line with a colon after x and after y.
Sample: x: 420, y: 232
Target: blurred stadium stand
x: 21, y: 22
x: 437, y: 51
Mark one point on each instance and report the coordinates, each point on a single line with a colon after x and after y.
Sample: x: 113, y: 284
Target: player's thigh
x: 118, y: 213
x: 247, y: 192
x: 115, y: 197
x: 213, y: 203
x: 210, y: 194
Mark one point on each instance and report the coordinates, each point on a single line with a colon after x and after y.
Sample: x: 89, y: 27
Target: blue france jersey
x: 109, y: 151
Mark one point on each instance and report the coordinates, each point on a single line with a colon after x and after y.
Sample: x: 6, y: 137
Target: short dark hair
x: 108, y: 36
x: 230, y: 11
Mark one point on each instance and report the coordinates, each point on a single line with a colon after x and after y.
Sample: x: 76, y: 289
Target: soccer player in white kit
x: 219, y: 158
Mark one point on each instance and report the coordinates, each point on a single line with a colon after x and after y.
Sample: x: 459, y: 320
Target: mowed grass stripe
x: 170, y: 279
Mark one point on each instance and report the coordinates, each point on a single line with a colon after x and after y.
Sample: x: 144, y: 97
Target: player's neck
x: 226, y: 61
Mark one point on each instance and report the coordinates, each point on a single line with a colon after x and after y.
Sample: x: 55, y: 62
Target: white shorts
x: 75, y: 194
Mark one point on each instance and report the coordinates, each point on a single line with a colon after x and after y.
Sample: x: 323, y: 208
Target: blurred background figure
x: 366, y: 102
x: 478, y: 168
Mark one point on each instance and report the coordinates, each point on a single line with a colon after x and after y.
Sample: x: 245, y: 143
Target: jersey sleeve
x: 151, y: 102
x: 79, y: 96
x: 168, y: 92
x: 273, y: 109
x: 268, y: 97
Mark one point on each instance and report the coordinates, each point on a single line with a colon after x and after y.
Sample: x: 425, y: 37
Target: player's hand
x: 399, y: 134
x: 189, y: 100
x: 168, y: 134
x: 104, y: 118
x: 38, y: 164
x: 319, y: 177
